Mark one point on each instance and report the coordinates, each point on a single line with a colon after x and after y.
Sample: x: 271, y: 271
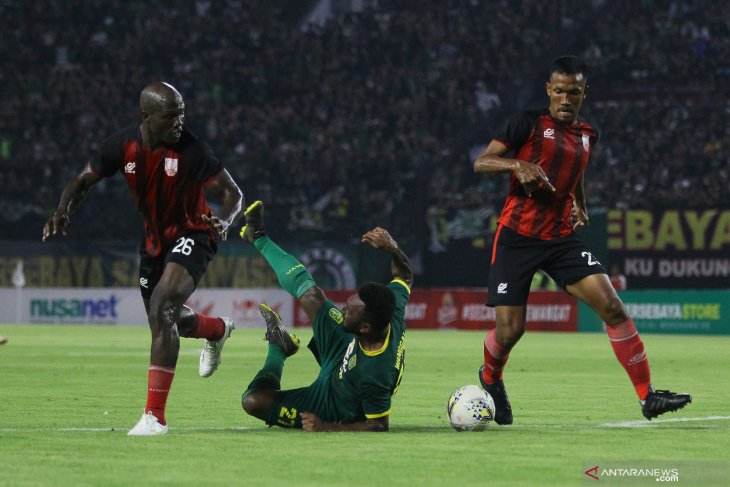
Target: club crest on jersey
x: 336, y: 315
x: 130, y: 167
x: 549, y: 133
x: 586, y: 142
x: 170, y: 166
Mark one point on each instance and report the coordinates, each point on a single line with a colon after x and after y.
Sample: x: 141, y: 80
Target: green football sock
x: 293, y: 276
x: 269, y: 377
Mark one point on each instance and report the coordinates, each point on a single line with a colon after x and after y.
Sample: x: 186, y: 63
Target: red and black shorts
x: 192, y: 250
x: 516, y: 258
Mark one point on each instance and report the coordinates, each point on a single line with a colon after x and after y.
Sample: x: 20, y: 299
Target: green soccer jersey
x: 363, y: 383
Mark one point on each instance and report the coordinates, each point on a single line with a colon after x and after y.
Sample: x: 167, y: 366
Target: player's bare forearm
x: 73, y: 195
x: 232, y: 206
x: 399, y: 264
x: 493, y: 164
x: 311, y: 422
x: 492, y: 160
x: 231, y: 195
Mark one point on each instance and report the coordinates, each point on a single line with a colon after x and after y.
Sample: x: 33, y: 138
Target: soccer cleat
x: 276, y: 333
x: 254, y: 227
x: 210, y: 357
x: 503, y: 409
x: 660, y: 402
x: 149, y: 425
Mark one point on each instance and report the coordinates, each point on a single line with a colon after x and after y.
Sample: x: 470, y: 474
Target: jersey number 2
x: 591, y: 260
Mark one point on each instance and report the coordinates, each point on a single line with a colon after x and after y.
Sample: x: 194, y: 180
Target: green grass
x: 68, y: 395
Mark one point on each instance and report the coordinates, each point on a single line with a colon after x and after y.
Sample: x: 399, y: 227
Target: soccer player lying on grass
x: 361, y: 351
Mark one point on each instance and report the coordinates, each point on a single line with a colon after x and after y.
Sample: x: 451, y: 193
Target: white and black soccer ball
x: 470, y: 408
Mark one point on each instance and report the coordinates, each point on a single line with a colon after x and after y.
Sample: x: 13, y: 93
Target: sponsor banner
x: 242, y: 306
x: 688, y: 249
x: 123, y: 306
x: 465, y: 309
x: 690, y: 312
x: 67, y: 264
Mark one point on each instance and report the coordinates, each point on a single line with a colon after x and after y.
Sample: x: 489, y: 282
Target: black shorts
x: 516, y: 258
x: 192, y: 250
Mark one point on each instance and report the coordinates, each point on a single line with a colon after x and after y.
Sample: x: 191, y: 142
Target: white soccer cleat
x: 210, y: 357
x: 149, y: 425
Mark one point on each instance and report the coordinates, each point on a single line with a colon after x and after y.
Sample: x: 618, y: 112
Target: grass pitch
x: 69, y: 394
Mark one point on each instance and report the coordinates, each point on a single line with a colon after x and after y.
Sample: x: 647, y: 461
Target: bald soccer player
x: 169, y: 171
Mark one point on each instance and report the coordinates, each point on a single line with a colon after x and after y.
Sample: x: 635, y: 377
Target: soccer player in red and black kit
x: 546, y: 203
x: 168, y: 169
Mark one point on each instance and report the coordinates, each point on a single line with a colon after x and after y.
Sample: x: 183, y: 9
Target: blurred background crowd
x: 371, y: 115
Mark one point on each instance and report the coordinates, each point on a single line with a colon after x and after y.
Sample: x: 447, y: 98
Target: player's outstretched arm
x: 73, y: 194
x: 399, y: 264
x: 224, y: 187
x: 492, y: 161
x: 312, y: 422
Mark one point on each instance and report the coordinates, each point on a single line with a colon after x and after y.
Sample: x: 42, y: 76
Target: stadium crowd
x: 371, y: 118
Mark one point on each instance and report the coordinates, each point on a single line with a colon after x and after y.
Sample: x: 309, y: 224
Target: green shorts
x: 328, y: 346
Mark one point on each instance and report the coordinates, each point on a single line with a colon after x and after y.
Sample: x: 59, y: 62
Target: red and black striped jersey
x: 562, y: 151
x: 167, y: 184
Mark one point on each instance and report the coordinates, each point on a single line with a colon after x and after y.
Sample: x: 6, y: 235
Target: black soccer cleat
x: 660, y: 402
x: 503, y: 409
x: 254, y: 227
x: 276, y: 333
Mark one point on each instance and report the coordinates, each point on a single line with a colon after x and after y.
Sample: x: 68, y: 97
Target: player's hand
x: 380, y: 239
x: 531, y: 176
x: 58, y: 222
x: 311, y: 422
x: 578, y: 216
x: 217, y: 225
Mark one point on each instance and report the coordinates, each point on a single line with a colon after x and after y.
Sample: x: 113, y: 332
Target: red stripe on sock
x: 208, y: 327
x: 629, y: 350
x: 495, y: 358
x: 159, y: 381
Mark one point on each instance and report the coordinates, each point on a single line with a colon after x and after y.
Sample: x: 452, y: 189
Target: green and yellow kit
x: 353, y: 384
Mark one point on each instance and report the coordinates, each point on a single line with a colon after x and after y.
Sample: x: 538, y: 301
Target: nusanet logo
x: 103, y: 310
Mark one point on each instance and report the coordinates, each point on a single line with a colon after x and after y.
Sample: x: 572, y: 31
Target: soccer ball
x: 470, y: 408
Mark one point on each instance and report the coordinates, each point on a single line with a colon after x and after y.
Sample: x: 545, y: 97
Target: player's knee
x: 509, y: 334
x: 614, y: 312
x: 252, y: 404
x: 511, y: 338
x: 165, y: 308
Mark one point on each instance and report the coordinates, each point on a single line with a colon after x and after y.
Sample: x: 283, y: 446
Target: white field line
x: 644, y: 424
x: 430, y: 428
x: 112, y: 430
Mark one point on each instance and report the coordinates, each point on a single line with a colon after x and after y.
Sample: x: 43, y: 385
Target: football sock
x: 159, y: 380
x: 269, y: 377
x: 629, y: 350
x: 495, y: 357
x: 208, y: 327
x: 293, y: 276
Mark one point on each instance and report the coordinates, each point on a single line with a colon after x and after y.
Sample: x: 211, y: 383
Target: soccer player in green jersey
x: 360, y: 350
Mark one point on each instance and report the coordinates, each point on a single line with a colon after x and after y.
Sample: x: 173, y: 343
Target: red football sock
x: 208, y: 327
x: 629, y: 350
x: 159, y: 380
x: 495, y: 357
